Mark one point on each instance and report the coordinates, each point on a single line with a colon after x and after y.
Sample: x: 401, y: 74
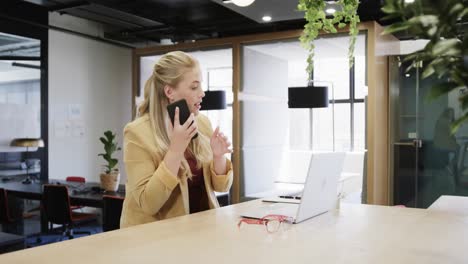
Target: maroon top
x: 196, y: 187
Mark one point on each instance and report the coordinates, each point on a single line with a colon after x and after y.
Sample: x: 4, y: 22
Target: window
x: 20, y: 90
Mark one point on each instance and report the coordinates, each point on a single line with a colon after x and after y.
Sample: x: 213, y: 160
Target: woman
x: 169, y: 173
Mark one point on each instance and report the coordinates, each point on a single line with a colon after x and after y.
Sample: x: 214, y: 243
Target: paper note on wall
x: 75, y: 112
x: 61, y: 129
x: 78, y: 129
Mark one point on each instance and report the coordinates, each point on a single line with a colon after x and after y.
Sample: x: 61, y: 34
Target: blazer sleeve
x: 150, y: 184
x: 220, y: 183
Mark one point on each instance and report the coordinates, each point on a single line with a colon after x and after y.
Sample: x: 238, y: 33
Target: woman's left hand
x: 219, y: 144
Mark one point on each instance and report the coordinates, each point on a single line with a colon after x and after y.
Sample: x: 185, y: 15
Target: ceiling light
x: 242, y: 2
x: 330, y: 10
x: 266, y: 18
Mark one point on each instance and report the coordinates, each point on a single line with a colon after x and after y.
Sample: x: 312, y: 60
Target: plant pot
x: 110, y: 181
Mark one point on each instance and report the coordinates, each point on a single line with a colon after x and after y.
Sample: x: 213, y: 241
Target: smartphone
x: 184, y: 112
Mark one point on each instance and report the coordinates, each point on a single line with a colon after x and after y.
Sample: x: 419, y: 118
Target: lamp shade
x: 214, y: 100
x: 308, y: 97
x: 27, y: 142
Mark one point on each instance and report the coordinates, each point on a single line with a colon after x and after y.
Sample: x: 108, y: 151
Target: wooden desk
x: 354, y: 234
x: 451, y: 205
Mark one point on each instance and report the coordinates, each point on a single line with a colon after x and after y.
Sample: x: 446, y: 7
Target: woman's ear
x: 169, y: 92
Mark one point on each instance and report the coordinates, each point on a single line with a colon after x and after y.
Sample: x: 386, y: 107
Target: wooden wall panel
x: 379, y: 46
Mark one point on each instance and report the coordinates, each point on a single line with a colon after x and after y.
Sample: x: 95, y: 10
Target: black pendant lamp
x: 312, y: 97
x: 308, y: 97
x: 214, y: 100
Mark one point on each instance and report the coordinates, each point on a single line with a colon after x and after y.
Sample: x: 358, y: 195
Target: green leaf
x: 397, y: 27
x: 464, y: 101
x: 440, y: 89
x: 108, y: 134
x: 424, y: 20
x: 103, y: 140
x: 389, y: 9
x: 462, y: 14
x: 110, y: 146
x: 456, y: 9
x: 457, y: 123
x: 112, y: 163
x: 447, y: 47
x: 428, y: 72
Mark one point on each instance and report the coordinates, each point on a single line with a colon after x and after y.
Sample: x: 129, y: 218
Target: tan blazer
x: 152, y: 192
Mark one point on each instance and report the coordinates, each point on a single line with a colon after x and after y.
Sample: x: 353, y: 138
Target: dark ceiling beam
x: 212, y: 30
x: 20, y: 58
x: 70, y: 5
x: 145, y: 30
x: 103, y: 7
x: 98, y: 38
x: 126, y: 37
x: 118, y: 22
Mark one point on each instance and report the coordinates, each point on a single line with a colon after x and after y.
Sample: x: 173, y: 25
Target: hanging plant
x: 317, y: 21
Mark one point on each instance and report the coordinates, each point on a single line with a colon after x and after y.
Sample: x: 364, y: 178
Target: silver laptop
x: 319, y: 194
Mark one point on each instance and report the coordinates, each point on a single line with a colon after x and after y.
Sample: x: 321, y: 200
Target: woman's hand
x: 181, y: 134
x: 219, y: 144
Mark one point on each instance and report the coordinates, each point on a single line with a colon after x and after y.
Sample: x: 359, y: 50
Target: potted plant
x: 110, y: 176
x: 317, y: 20
x: 446, y: 53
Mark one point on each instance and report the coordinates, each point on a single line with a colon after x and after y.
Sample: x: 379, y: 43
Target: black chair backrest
x: 111, y: 211
x: 56, y: 203
x: 4, y: 214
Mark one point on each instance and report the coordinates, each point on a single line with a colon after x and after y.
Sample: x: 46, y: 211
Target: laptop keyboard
x: 293, y: 195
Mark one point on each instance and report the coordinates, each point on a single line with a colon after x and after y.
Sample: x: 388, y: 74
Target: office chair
x: 111, y: 212
x: 9, y: 242
x: 57, y: 209
x: 5, y: 217
x: 9, y: 219
x: 76, y: 179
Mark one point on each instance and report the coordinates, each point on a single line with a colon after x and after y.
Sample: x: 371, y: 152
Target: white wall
x: 89, y: 92
x: 264, y: 115
x: 409, y: 46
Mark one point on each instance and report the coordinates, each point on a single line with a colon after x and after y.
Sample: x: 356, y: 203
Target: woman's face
x: 189, y: 88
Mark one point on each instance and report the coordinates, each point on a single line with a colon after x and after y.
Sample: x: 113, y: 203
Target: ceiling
x: 138, y: 21
x: 13, y: 45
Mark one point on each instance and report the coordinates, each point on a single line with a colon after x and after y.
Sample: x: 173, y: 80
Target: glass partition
x: 270, y: 129
x: 20, y: 90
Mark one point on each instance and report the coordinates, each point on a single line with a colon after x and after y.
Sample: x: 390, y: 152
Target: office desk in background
x: 80, y: 193
x: 354, y: 234
x: 9, y: 173
x: 83, y: 195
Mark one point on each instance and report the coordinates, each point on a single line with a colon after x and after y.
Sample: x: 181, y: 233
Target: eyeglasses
x: 271, y: 222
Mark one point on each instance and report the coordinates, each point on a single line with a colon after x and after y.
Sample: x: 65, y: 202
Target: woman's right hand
x: 181, y: 134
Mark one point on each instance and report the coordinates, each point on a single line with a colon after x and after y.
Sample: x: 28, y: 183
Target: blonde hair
x: 170, y: 70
